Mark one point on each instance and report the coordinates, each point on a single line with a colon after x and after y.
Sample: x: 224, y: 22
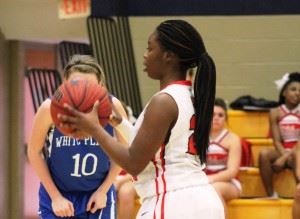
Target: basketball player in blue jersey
x: 76, y: 175
x: 169, y: 140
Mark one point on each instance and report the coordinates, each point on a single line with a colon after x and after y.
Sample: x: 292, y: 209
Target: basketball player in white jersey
x: 170, y: 138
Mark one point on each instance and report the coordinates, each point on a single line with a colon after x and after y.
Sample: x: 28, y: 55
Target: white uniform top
x: 173, y: 167
x: 217, y: 154
x: 289, y: 124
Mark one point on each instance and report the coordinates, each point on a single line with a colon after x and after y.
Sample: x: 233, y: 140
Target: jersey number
x: 80, y: 165
x: 191, y: 144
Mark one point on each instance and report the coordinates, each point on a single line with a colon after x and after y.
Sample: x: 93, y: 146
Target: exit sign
x: 73, y: 8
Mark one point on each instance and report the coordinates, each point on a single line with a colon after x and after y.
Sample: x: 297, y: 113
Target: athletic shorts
x: 79, y: 200
x: 187, y: 203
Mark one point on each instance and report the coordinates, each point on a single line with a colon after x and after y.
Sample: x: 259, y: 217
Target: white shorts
x: 188, y: 203
x: 237, y: 184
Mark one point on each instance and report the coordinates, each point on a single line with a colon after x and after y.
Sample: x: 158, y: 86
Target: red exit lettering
x: 75, y: 6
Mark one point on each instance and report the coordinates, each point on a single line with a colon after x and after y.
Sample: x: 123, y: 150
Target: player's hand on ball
x: 80, y: 123
x: 115, y: 118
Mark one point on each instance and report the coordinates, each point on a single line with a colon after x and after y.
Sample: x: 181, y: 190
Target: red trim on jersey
x: 183, y: 82
x: 156, y: 185
x: 287, y: 112
x: 296, y: 126
x: 123, y: 172
x: 163, y: 165
x: 219, y: 145
x: 289, y: 145
x: 210, y: 172
x: 283, y: 109
x: 222, y: 137
x: 218, y: 156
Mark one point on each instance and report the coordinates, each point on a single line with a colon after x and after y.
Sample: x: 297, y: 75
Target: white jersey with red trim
x: 289, y: 124
x: 217, y: 154
x: 174, y: 166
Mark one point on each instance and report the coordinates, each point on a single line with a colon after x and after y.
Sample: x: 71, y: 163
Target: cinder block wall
x: 250, y: 51
x: 3, y: 126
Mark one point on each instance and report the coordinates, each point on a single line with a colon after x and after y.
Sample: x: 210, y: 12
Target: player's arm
x: 160, y: 116
x: 233, y: 162
x: 297, y: 161
x: 98, y: 199
x: 123, y: 128
x: 41, y: 124
x: 277, y: 141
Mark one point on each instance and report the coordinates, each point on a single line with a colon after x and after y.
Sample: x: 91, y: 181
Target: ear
x: 169, y: 56
x: 284, y: 92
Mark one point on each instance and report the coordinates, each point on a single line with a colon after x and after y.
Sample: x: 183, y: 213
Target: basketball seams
x: 92, y: 97
x: 83, y: 95
x: 69, y: 94
x: 107, y: 108
x: 100, y: 99
x: 56, y: 104
x: 104, y: 95
x: 86, y: 95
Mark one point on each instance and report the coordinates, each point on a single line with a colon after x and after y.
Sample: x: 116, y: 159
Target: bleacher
x: 254, y: 127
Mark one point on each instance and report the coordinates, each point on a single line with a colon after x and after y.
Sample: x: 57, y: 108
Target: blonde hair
x: 84, y: 64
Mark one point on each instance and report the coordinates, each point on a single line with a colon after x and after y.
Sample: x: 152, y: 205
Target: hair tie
x: 204, y: 54
x: 282, y: 81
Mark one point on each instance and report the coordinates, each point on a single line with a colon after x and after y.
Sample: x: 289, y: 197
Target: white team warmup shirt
x: 173, y: 185
x: 173, y: 167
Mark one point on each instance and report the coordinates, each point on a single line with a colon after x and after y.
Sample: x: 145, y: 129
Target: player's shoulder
x: 44, y: 108
x: 43, y: 114
x: 276, y: 109
x: 115, y: 100
x: 162, y: 104
x: 118, y: 105
x: 234, y: 136
x: 275, y: 112
x: 162, y: 99
x: 45, y: 105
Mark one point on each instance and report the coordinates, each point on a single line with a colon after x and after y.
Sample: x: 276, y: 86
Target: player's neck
x: 215, y: 133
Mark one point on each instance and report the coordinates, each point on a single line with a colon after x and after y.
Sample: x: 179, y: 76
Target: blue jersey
x: 77, y: 164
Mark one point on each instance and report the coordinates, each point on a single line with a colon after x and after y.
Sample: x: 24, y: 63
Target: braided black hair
x: 293, y: 77
x: 183, y: 39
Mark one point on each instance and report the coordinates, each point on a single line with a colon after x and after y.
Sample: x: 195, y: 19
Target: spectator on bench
x: 296, y: 205
x: 223, y: 156
x: 285, y: 129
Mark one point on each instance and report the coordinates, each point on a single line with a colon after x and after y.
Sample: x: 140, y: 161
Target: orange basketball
x: 80, y: 94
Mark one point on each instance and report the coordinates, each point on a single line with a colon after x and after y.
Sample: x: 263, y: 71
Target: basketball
x: 81, y: 95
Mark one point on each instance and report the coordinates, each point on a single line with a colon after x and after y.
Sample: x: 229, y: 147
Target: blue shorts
x: 79, y: 200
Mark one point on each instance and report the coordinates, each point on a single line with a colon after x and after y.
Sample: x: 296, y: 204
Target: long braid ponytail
x: 204, y: 91
x: 184, y: 40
